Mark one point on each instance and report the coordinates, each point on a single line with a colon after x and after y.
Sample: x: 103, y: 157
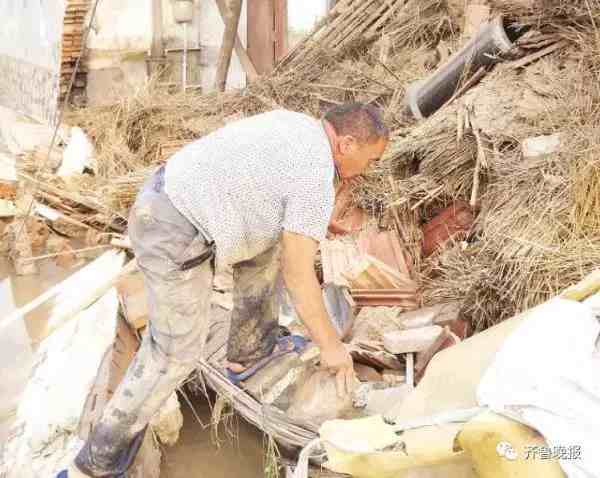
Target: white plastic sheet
x: 547, y: 376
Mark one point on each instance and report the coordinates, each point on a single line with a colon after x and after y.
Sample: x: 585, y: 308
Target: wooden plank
x: 280, y: 15
x: 387, y: 292
x: 380, y: 277
x: 403, y: 304
x: 394, y: 275
x: 476, y: 14
x: 364, y: 276
x: 110, y: 373
x: 232, y: 20
x: 410, y: 370
x: 376, y: 358
x: 100, y: 275
x: 589, y: 285
x: 398, y: 295
x: 370, y: 273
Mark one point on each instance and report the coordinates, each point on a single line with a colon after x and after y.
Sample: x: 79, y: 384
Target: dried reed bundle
x: 355, y: 23
x: 549, y: 15
x: 491, y: 289
x: 528, y: 212
x: 538, y: 228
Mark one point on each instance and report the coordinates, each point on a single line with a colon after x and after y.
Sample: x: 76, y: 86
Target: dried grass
x: 491, y: 290
x: 538, y: 219
x: 538, y: 224
x: 330, y: 68
x: 538, y: 228
x: 549, y: 15
x: 355, y: 24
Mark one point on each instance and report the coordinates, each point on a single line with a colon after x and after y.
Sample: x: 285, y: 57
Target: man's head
x: 358, y: 136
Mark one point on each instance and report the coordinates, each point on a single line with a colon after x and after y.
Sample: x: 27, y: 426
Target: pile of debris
x: 485, y: 204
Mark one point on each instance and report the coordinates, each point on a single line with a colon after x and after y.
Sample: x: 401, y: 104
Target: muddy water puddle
x: 195, y: 455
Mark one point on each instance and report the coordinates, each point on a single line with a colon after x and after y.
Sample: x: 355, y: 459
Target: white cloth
x: 246, y: 182
x: 547, y: 376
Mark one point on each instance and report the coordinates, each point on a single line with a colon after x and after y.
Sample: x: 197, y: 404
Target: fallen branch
x: 536, y: 56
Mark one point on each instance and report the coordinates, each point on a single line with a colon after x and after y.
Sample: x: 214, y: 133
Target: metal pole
x: 185, y: 54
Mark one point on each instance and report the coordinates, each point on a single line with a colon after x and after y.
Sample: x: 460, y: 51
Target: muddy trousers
x: 167, y: 246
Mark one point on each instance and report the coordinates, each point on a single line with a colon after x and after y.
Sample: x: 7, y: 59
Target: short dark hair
x: 363, y: 122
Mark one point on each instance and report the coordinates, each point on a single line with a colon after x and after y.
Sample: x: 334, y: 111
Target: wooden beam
x: 232, y: 20
x: 536, y: 56
x: 280, y: 17
x: 240, y: 51
x: 260, y: 35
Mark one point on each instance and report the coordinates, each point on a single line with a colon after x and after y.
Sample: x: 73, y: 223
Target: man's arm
x: 298, y: 268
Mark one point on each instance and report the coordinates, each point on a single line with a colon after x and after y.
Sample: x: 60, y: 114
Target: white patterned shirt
x: 246, y: 182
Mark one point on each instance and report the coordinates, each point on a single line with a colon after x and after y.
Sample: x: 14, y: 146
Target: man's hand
x: 337, y: 360
x: 298, y: 265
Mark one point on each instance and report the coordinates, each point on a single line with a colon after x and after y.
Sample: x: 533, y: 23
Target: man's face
x: 353, y: 158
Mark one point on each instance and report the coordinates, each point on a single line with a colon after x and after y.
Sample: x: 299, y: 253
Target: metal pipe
x: 423, y: 98
x: 185, y: 57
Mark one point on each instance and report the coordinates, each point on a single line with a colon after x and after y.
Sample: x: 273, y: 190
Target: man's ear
x: 348, y: 144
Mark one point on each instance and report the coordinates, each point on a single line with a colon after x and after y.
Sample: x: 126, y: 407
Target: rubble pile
x: 481, y: 208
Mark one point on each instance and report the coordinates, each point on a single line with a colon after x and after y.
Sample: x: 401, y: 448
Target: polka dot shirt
x: 246, y: 182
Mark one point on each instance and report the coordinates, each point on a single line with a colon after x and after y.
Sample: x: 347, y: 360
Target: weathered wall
x: 30, y: 37
x: 122, y: 36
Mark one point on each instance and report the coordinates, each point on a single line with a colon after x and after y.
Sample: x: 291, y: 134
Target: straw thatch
x: 537, y: 222
x: 538, y: 227
x: 538, y: 218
